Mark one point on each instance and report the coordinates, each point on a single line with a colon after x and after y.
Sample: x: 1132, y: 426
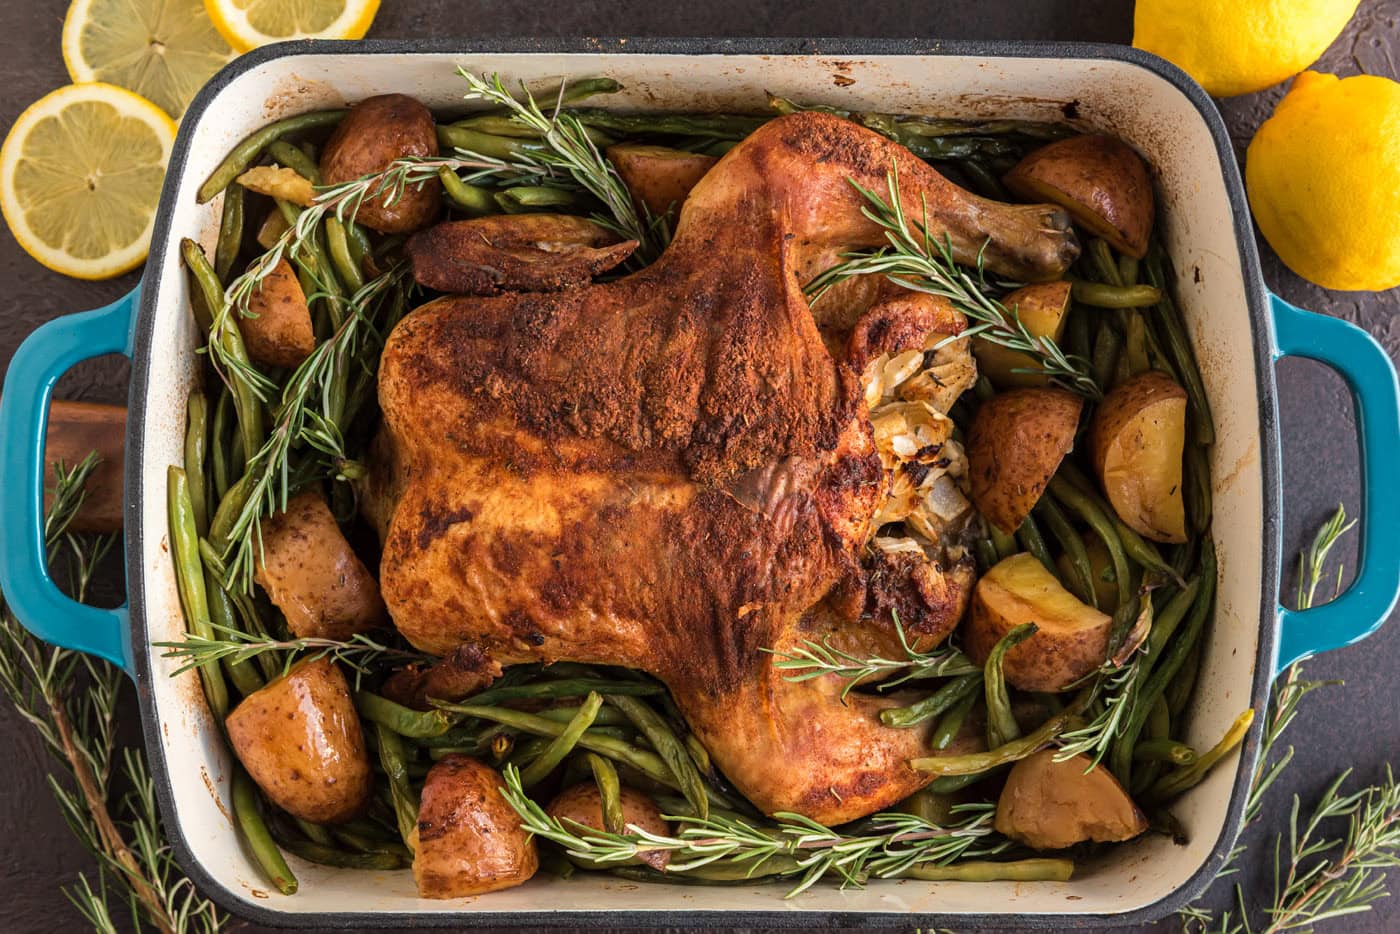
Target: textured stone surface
x: 1352, y: 726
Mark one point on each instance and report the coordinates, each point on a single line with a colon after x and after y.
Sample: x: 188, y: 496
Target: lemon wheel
x: 247, y: 24
x: 163, y: 50
x: 80, y: 176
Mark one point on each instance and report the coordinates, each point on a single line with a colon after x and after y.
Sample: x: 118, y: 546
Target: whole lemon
x: 1239, y: 46
x: 1323, y: 175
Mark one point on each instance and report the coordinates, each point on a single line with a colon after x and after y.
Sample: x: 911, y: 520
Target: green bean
x: 698, y: 754
x: 315, y: 832
x: 255, y: 833
x: 1179, y: 689
x: 231, y: 340
x: 607, y: 716
x: 1159, y: 720
x: 719, y: 872
x: 1100, y: 258
x: 560, y: 746
x: 339, y: 246
x: 1014, y: 751
x: 1038, y: 869
x: 609, y: 791
x: 230, y: 232
x: 1128, y: 269
x: 189, y: 575
x: 222, y: 469
x: 983, y: 180
x: 471, y: 200
x: 1081, y: 582
x: 244, y: 154
x: 288, y: 156
x: 1102, y: 295
x: 933, y: 705
x: 339, y: 859
x: 986, y: 553
x: 485, y: 144
x: 672, y: 751
x: 196, y: 442
x: 951, y: 723
x: 1070, y: 496
x: 1179, y: 348
x: 948, y: 784
x: 244, y: 673
x: 569, y: 687
x: 1032, y: 541
x: 312, y: 260
x: 1197, y: 489
x: 394, y: 760
x: 1002, y: 727
x: 1159, y: 728
x: 1004, y: 544
x: 1164, y: 626
x: 561, y: 93
x: 1189, y: 776
x: 556, y: 864
x: 648, y: 763
x: 1077, y: 339
x: 717, y: 126
x: 524, y: 199
x: 402, y: 720
x: 1164, y: 750
x: 1135, y: 353
x: 1104, y: 358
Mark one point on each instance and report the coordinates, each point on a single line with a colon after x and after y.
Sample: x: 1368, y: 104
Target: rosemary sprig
x: 268, y: 472
x: 818, y: 659
x: 791, y: 845
x: 360, y: 653
x: 915, y: 260
x: 1118, y: 689
x: 70, y: 700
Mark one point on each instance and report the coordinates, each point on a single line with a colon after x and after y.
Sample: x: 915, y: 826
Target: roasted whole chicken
x: 678, y: 470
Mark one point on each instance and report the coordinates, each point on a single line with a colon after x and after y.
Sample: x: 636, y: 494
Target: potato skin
x: 469, y: 840
x: 313, y: 576
x: 657, y: 176
x: 279, y: 332
x: 373, y: 134
x: 1098, y: 179
x: 299, y: 738
x: 1140, y: 423
x: 1049, y: 805
x: 1014, y: 446
x: 583, y: 804
x: 1072, y: 639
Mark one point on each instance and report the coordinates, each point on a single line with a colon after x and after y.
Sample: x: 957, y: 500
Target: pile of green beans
x: 567, y: 723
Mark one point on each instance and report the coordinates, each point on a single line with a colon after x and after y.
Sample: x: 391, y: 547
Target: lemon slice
x: 80, y: 175
x: 247, y: 24
x: 163, y: 50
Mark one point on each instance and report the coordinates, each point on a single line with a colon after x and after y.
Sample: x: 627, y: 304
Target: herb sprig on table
x: 70, y: 699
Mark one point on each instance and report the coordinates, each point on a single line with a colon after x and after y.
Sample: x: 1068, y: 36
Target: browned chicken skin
x: 672, y: 472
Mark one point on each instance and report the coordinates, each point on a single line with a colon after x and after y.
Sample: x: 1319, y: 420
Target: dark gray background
x: 1354, y: 726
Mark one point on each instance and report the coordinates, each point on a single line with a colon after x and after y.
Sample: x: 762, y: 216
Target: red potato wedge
x: 1100, y: 180
x: 583, y: 804
x: 1014, y: 446
x: 313, y: 575
x: 1042, y: 307
x: 468, y: 840
x: 1136, y: 442
x: 299, y: 738
x: 277, y: 330
x: 1071, y: 639
x: 373, y: 134
x: 1049, y: 805
x: 658, y: 177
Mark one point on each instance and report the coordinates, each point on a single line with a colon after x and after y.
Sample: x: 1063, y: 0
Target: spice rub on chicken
x: 685, y: 467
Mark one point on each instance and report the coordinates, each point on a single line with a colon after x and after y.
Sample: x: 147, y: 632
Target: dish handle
x: 1370, y: 375
x: 32, y: 595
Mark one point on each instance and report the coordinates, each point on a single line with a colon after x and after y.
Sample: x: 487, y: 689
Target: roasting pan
x: 1239, y: 330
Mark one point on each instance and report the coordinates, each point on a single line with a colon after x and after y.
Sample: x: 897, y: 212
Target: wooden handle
x: 75, y: 429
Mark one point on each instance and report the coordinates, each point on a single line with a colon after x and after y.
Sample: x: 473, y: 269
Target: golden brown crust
x: 668, y: 471
x: 514, y: 253
x: 373, y: 134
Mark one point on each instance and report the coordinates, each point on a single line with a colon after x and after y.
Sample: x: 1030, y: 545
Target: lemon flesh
x: 164, y: 50
x: 1323, y: 177
x: 247, y: 24
x: 1239, y: 46
x: 80, y: 177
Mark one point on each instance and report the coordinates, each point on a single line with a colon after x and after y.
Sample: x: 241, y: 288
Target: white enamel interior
x: 1120, y: 97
